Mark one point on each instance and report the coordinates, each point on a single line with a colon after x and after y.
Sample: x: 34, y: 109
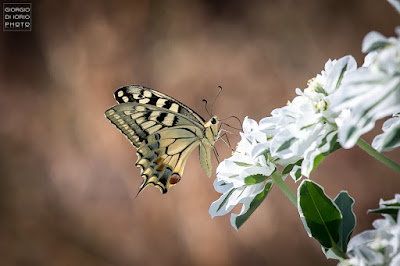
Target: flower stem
x: 281, y: 184
x: 377, y: 155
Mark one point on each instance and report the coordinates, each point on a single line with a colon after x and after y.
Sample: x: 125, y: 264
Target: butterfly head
x: 212, y: 128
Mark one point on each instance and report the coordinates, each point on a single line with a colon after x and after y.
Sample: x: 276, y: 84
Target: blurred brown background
x: 67, y: 176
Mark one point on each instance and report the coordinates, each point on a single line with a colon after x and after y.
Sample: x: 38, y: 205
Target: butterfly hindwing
x: 163, y: 156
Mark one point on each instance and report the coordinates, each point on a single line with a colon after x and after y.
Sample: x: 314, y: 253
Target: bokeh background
x: 67, y: 176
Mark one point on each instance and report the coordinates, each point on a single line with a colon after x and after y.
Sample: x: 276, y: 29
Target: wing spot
x: 144, y: 101
x: 137, y: 96
x: 169, y: 120
x: 175, y: 178
x: 148, y: 124
x: 136, y: 115
x: 147, y: 94
x: 161, y: 102
x: 140, y: 108
x: 140, y: 120
x: 127, y: 112
x: 120, y: 93
x: 154, y: 115
x: 117, y: 116
x: 174, y: 108
x: 125, y: 99
x: 110, y: 112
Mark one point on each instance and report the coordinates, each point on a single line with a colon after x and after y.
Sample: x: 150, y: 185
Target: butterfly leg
x: 216, y: 154
x: 227, y: 142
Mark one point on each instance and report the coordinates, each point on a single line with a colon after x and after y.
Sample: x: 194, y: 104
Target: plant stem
x: 377, y: 155
x: 281, y: 184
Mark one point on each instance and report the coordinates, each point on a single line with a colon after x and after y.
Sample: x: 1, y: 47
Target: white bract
x: 243, y: 176
x: 390, y: 138
x: 395, y: 4
x: 380, y: 246
x: 372, y: 91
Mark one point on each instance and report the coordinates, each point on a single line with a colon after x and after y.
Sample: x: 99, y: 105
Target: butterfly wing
x: 143, y: 95
x: 163, y: 130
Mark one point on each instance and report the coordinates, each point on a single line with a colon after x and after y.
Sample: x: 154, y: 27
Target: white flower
x: 372, y: 91
x: 390, y: 138
x: 380, y: 246
x: 243, y: 176
x: 306, y: 127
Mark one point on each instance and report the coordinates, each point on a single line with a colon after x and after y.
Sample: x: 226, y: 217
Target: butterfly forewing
x: 164, y: 132
x: 149, y: 96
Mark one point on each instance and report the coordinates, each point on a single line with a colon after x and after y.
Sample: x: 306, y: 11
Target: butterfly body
x: 164, y: 132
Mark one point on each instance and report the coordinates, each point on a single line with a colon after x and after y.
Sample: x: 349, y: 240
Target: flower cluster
x: 372, y: 91
x: 306, y: 127
x: 243, y: 176
x: 337, y: 107
x: 380, y: 246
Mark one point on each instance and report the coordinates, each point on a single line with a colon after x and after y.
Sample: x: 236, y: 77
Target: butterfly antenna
x: 205, y: 106
x: 232, y: 116
x: 212, y: 106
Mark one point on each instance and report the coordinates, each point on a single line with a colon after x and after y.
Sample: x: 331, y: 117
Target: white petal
x: 249, y: 125
x: 395, y: 4
x: 370, y: 39
x: 332, y: 78
x: 221, y: 206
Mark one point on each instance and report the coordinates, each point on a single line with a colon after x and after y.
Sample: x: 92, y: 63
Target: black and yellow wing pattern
x: 164, y: 132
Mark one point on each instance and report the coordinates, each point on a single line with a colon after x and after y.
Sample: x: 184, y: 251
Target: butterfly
x: 164, y: 132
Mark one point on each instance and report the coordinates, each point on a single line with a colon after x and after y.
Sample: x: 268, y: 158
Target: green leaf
x: 243, y: 164
x: 289, y: 167
x: 320, y: 216
x: 345, y: 204
x: 391, y: 209
x: 297, y: 174
x: 241, y: 219
x: 317, y: 160
x: 333, y: 146
x: 254, y: 179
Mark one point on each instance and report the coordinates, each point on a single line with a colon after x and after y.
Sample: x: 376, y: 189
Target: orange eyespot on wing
x: 175, y: 178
